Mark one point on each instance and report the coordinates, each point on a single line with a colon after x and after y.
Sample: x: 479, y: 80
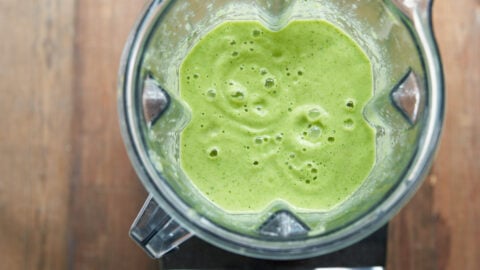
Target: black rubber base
x: 197, y: 254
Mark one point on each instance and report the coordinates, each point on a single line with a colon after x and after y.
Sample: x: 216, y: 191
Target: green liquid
x: 276, y: 116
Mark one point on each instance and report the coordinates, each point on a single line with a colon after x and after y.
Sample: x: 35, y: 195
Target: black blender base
x: 197, y: 254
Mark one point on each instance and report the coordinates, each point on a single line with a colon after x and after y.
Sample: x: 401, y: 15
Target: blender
x: 406, y: 110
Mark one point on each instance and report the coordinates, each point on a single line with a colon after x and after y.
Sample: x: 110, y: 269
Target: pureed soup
x: 276, y: 115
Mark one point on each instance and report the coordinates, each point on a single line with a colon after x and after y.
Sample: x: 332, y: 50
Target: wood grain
x: 68, y: 193
x: 440, y: 227
x: 36, y: 73
x: 106, y: 193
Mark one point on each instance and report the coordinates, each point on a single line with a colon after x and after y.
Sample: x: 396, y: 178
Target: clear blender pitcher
x: 407, y: 112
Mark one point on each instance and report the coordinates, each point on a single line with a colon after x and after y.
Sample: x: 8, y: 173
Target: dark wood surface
x: 68, y: 193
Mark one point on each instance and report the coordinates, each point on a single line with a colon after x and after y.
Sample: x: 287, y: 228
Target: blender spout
x: 275, y: 13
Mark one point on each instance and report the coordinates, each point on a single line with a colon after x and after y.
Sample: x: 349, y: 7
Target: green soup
x: 276, y: 116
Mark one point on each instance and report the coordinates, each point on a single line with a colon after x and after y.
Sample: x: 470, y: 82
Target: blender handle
x: 409, y: 7
x: 156, y: 232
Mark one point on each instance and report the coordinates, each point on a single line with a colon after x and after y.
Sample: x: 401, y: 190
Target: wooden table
x: 68, y: 193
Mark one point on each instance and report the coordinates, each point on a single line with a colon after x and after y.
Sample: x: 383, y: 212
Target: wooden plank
x: 440, y: 227
x: 106, y: 192
x: 67, y: 191
x: 36, y: 63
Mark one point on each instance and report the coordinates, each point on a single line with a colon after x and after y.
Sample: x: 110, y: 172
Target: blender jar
x: 406, y: 111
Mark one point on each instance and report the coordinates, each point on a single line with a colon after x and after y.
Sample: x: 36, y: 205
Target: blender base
x: 370, y: 253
